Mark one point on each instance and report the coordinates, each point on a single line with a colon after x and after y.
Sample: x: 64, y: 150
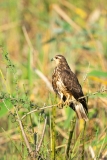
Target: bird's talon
x: 60, y: 105
x: 66, y: 103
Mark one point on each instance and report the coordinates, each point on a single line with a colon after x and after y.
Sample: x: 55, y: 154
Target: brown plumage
x: 66, y: 85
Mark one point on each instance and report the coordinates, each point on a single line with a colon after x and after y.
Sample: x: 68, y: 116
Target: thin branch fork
x: 38, y: 109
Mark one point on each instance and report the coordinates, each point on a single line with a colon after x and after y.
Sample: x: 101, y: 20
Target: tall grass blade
x: 70, y: 138
x: 53, y: 136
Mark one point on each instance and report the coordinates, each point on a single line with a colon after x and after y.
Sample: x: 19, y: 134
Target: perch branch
x: 39, y: 109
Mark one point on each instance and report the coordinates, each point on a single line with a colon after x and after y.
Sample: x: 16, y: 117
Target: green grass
x: 31, y: 33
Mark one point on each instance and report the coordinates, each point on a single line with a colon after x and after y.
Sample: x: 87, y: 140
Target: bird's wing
x: 72, y: 85
x: 54, y: 81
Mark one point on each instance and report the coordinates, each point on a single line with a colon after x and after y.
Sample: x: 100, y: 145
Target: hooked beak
x: 52, y: 59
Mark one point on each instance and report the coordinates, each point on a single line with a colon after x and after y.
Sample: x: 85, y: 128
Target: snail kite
x: 66, y: 85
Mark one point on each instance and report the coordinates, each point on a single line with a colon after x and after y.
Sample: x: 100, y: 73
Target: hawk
x: 66, y: 85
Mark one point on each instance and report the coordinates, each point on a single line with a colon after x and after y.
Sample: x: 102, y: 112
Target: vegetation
x: 31, y: 33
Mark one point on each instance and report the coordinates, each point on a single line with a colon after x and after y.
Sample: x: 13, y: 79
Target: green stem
x: 70, y: 139
x: 83, y: 139
x: 53, y: 136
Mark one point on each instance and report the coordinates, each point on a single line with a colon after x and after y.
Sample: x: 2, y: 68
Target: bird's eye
x: 56, y: 57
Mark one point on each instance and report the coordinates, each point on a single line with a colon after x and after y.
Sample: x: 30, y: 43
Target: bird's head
x: 59, y: 59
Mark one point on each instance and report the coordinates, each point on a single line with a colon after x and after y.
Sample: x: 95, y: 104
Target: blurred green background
x: 31, y: 33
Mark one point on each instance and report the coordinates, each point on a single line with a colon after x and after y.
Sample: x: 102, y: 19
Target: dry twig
x: 40, y: 143
x: 44, y: 78
x: 24, y: 135
x: 65, y: 17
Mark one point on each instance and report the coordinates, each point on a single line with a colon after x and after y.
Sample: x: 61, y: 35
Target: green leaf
x: 3, y: 109
x: 97, y: 73
x: 70, y: 113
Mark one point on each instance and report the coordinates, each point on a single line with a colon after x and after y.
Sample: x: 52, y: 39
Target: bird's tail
x: 81, y: 114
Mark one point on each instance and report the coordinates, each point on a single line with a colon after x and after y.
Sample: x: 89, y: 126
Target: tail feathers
x: 81, y: 114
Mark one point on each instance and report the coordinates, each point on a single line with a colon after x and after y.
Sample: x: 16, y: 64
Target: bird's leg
x: 61, y: 103
x: 66, y: 103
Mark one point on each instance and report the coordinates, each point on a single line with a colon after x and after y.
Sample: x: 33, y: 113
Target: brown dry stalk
x: 24, y: 135
x: 40, y: 143
x: 27, y: 38
x: 44, y: 78
x: 65, y: 17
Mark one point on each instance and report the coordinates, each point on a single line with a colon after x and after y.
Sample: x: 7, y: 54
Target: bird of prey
x: 66, y: 85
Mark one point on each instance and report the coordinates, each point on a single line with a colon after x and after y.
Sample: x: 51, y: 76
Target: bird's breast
x: 61, y: 87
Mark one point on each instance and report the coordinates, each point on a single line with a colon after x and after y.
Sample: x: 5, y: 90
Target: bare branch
x: 55, y: 105
x: 24, y: 135
x: 38, y: 109
x: 88, y: 95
